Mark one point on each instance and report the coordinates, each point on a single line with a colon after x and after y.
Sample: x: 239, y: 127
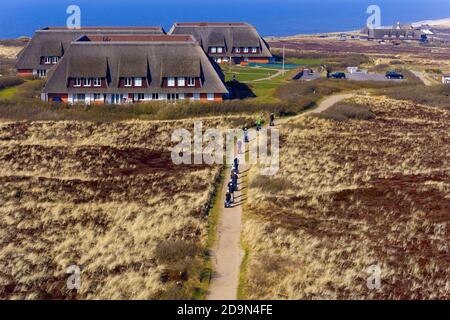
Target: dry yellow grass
x: 105, y: 197
x: 9, y: 52
x: 350, y: 195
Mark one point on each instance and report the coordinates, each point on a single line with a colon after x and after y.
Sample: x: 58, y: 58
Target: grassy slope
x: 350, y: 195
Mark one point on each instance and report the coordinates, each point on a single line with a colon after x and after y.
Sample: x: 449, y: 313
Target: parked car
x: 338, y: 75
x: 394, y: 75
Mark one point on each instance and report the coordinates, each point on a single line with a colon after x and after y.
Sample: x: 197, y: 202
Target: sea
x: 271, y: 17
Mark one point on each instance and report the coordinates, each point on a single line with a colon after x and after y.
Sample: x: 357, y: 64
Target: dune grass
x: 350, y: 195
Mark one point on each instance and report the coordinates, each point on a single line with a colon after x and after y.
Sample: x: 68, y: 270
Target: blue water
x: 271, y: 17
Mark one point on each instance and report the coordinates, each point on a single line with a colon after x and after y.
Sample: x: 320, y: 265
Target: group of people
x: 232, y: 184
x: 259, y: 122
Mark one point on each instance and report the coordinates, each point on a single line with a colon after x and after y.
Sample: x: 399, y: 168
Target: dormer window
x: 55, y: 60
x: 254, y: 50
x: 87, y: 82
x: 47, y: 60
x: 138, y: 82
x: 238, y: 50
x: 213, y: 49
x: 191, y: 82
x: 97, y: 82
x: 219, y: 50
x: 77, y: 82
x: 171, y: 82
x: 181, y: 82
x: 128, y: 82
x: 245, y: 50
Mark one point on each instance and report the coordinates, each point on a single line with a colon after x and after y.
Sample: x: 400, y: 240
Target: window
x: 87, y: 82
x: 171, y: 82
x: 191, y: 82
x: 80, y: 98
x: 140, y: 96
x: 219, y: 50
x: 55, y: 60
x: 155, y: 96
x: 181, y: 82
x: 210, y: 96
x: 213, y: 49
x: 237, y: 50
x: 196, y: 96
x: 173, y: 96
x: 41, y: 73
x: 254, y: 50
x: 97, y: 82
x: 138, y: 82
x: 245, y: 50
x: 128, y: 82
x: 77, y: 82
x: 47, y: 60
x: 97, y: 96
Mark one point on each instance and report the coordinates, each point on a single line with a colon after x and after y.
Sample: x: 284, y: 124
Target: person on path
x: 272, y: 119
x: 246, y: 140
x: 258, y: 124
x: 228, y: 200
x: 231, y: 190
x: 236, y: 165
x: 235, y: 181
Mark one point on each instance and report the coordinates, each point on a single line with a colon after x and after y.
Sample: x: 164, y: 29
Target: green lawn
x: 264, y: 89
x: 246, y: 74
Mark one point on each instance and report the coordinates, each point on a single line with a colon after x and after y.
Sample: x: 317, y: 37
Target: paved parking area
x: 368, y: 77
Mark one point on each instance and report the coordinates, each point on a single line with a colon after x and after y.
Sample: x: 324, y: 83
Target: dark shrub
x: 175, y: 250
x: 10, y: 81
x: 271, y: 184
x: 343, y: 112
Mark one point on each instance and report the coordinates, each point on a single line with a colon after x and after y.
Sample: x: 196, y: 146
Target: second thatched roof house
x: 223, y: 41
x: 49, y: 44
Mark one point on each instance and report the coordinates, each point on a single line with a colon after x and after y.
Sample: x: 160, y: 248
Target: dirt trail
x: 329, y: 102
x: 227, y: 253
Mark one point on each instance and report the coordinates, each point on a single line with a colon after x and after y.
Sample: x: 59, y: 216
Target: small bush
x: 176, y: 250
x: 343, y: 112
x: 10, y: 81
x: 271, y: 184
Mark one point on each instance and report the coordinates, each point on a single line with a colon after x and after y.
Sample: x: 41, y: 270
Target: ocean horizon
x: 282, y: 18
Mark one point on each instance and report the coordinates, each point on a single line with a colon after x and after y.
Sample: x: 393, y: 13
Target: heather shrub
x: 10, y: 81
x: 343, y: 112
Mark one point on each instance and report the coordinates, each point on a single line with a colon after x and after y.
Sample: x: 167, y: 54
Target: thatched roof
x: 154, y: 59
x: 228, y: 35
x: 54, y: 41
x: 396, y: 32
